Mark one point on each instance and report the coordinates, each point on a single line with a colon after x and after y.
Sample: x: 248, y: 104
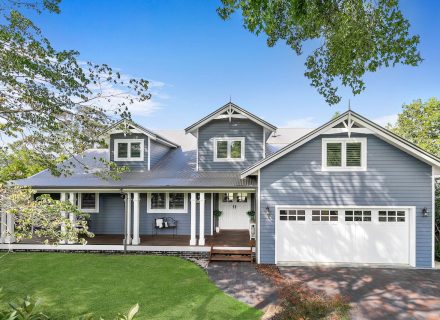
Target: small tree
x: 44, y: 218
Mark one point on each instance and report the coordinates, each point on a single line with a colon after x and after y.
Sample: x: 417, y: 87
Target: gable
x: 230, y: 111
x: 349, y: 123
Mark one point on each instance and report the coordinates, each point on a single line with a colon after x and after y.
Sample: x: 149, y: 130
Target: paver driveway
x: 377, y: 293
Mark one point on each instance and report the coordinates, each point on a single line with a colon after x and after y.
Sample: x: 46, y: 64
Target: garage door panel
x: 370, y: 241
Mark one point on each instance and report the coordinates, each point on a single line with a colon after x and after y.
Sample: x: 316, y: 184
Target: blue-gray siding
x: 252, y: 132
x: 133, y: 165
x: 157, y: 152
x: 393, y: 178
x: 110, y: 219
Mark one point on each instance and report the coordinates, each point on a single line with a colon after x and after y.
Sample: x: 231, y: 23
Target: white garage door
x: 342, y: 235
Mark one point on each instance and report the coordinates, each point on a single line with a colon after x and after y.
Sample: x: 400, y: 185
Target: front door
x: 234, y: 207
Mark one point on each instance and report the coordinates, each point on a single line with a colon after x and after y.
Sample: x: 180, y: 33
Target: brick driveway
x: 377, y: 293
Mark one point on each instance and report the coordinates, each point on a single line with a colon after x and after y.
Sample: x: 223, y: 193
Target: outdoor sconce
x: 268, y: 213
x: 425, y: 212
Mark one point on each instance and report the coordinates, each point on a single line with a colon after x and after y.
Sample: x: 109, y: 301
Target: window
x: 344, y: 154
x: 293, y: 215
x: 242, y: 197
x: 228, y: 197
x: 129, y: 149
x: 163, y: 202
x: 357, y: 215
x: 324, y: 215
x: 229, y: 149
x: 88, y: 202
x: 391, y: 216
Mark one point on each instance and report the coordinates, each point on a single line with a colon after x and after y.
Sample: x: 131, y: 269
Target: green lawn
x: 69, y: 285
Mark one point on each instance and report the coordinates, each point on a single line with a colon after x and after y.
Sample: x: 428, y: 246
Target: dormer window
x: 229, y: 149
x: 344, y: 154
x: 129, y: 149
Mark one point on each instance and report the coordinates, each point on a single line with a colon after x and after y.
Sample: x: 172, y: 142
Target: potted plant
x: 251, y: 214
x: 217, y: 213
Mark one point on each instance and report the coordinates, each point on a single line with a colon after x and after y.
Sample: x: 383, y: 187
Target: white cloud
x: 309, y: 122
x: 388, y: 119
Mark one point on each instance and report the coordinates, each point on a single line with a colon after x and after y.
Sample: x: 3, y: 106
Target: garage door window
x: 391, y: 216
x: 292, y: 215
x: 324, y: 215
x: 358, y: 215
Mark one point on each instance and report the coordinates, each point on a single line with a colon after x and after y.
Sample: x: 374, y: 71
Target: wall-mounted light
x: 425, y: 212
x: 268, y: 213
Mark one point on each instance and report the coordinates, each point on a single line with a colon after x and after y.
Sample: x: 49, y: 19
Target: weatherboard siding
x: 110, y: 218
x: 252, y: 132
x: 133, y: 165
x: 393, y: 178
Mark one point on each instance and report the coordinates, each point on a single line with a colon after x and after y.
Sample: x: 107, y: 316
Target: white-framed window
x: 344, y: 154
x: 358, y: 215
x: 392, y: 216
x: 129, y: 149
x: 324, y: 215
x: 229, y: 149
x: 167, y: 202
x: 88, y: 202
x: 293, y: 215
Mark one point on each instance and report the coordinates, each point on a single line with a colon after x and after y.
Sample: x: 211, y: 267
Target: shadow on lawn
x: 377, y: 293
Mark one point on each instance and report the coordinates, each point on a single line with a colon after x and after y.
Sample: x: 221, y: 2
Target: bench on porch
x: 165, y: 223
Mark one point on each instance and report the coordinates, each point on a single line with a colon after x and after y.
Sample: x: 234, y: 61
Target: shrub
x: 301, y: 303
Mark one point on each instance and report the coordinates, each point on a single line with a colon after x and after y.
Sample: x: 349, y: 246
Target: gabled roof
x: 132, y: 125
x: 230, y: 109
x: 348, y: 121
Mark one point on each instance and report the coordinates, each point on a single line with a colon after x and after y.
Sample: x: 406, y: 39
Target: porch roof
x: 175, y: 171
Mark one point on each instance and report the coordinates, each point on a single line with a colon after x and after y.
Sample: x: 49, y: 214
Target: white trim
x: 116, y: 143
x: 376, y: 129
x: 193, y: 239
x: 344, y: 141
x: 136, y: 213
x: 229, y: 141
x: 411, y: 218
x: 197, y: 151
x: 226, y: 107
x: 128, y: 204
x: 167, y: 203
x: 145, y: 190
x: 264, y: 143
x: 149, y: 153
x: 212, y: 213
x: 345, y: 130
x: 94, y: 210
x: 433, y: 216
x: 259, y: 218
x: 202, y: 219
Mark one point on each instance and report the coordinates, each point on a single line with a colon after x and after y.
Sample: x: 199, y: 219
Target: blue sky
x: 197, y: 62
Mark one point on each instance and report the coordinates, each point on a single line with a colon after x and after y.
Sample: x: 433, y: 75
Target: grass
x: 70, y: 285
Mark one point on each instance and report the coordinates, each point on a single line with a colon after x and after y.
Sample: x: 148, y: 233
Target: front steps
x: 230, y: 254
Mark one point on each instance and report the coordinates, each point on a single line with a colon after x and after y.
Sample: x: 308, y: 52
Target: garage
x: 345, y: 235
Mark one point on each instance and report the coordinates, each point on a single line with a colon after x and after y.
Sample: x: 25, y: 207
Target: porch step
x: 230, y: 255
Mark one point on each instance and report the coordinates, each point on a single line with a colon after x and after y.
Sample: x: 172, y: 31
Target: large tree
x: 353, y: 37
x: 419, y: 122
x: 48, y: 97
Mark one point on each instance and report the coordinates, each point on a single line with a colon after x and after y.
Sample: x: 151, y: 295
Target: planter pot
x: 217, y: 229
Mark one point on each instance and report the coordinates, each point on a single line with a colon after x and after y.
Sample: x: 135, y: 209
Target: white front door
x: 234, y: 207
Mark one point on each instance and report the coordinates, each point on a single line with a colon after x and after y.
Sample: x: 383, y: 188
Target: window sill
x: 343, y: 169
x: 177, y: 211
x: 228, y: 160
x: 128, y: 159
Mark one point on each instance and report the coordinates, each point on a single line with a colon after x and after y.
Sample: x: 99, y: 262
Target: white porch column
x: 63, y: 197
x: 193, y: 240
x: 9, y: 235
x: 136, y: 240
x: 3, y: 227
x: 128, y: 204
x: 202, y: 220
x: 72, y: 217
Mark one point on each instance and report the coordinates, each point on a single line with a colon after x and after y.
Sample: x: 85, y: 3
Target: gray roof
x: 177, y: 169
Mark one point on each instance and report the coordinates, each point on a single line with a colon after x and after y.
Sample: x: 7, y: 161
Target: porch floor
x: 226, y: 238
